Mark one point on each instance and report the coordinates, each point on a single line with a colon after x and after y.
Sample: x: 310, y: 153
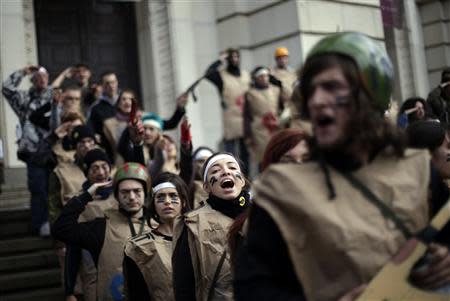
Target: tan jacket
x: 113, y: 129
x: 71, y: 178
x: 287, y: 78
x: 260, y: 103
x: 200, y: 195
x: 153, y: 256
x: 88, y: 271
x: 61, y: 154
x: 109, y: 267
x: 233, y: 96
x: 336, y: 245
x: 207, y: 236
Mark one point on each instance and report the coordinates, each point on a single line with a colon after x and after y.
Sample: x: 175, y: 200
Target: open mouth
x: 227, y: 183
x: 324, y: 121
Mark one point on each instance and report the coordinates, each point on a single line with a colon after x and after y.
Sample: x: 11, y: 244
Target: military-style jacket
x: 152, y: 254
x: 109, y: 267
x: 233, y: 91
x: 258, y: 104
x: 336, y: 245
x: 113, y: 129
x: 208, y: 242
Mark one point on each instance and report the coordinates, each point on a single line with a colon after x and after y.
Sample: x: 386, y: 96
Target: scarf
x: 231, y: 208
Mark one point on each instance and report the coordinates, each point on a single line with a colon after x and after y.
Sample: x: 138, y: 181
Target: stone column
x: 19, y: 49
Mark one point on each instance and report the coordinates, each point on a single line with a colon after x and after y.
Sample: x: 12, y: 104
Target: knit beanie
x: 93, y: 155
x: 153, y: 119
x: 80, y: 132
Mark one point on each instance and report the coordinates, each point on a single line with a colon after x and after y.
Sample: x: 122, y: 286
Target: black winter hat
x: 93, y: 155
x: 80, y: 132
x: 426, y: 134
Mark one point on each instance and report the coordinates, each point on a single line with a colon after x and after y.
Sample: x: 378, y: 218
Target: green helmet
x: 372, y: 61
x: 133, y: 171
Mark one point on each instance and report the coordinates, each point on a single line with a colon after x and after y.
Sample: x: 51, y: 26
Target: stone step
x: 16, y: 229
x: 25, y: 244
x: 46, y: 294
x: 11, y: 198
x: 15, y: 223
x: 16, y: 282
x: 7, y: 216
x: 11, y: 191
x: 28, y: 261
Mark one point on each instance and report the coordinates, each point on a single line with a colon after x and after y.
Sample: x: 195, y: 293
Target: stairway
x: 29, y: 267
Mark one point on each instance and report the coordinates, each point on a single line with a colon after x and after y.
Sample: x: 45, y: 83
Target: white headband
x: 202, y: 153
x: 261, y: 72
x: 162, y: 186
x: 214, y: 160
x: 152, y: 122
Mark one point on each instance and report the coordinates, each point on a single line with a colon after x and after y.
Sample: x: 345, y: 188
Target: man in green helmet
x: 316, y: 231
x: 105, y: 237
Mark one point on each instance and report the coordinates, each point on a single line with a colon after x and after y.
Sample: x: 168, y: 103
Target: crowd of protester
x: 319, y: 184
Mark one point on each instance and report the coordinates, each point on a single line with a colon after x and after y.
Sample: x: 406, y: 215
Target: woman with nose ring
x: 147, y: 261
x: 201, y: 259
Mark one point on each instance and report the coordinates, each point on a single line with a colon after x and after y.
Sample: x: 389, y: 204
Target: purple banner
x: 391, y: 13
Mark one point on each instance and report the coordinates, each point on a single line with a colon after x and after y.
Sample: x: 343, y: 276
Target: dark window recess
x: 100, y: 34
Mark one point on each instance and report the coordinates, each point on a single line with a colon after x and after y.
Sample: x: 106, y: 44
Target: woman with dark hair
x: 114, y: 127
x: 201, y: 259
x: 165, y: 157
x: 147, y: 262
x: 412, y: 110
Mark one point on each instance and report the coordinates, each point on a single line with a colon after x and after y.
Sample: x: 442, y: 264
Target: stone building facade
x: 176, y: 40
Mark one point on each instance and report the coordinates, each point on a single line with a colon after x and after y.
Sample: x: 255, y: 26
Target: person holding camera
x: 32, y: 142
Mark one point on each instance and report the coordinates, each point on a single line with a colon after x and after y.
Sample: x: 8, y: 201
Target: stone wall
x: 435, y: 18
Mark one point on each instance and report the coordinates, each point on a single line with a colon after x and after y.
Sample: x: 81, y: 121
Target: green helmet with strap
x: 132, y: 171
x: 375, y: 67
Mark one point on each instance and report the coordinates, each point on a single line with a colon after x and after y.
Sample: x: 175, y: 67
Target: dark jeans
x: 238, y: 148
x: 37, y: 178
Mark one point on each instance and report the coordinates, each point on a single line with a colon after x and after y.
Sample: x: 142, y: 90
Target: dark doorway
x: 101, y: 34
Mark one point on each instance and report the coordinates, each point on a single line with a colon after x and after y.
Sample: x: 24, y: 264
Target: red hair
x: 279, y: 144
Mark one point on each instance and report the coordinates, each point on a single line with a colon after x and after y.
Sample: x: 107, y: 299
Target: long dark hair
x: 129, y: 91
x: 181, y: 188
x: 369, y: 128
x: 411, y: 103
